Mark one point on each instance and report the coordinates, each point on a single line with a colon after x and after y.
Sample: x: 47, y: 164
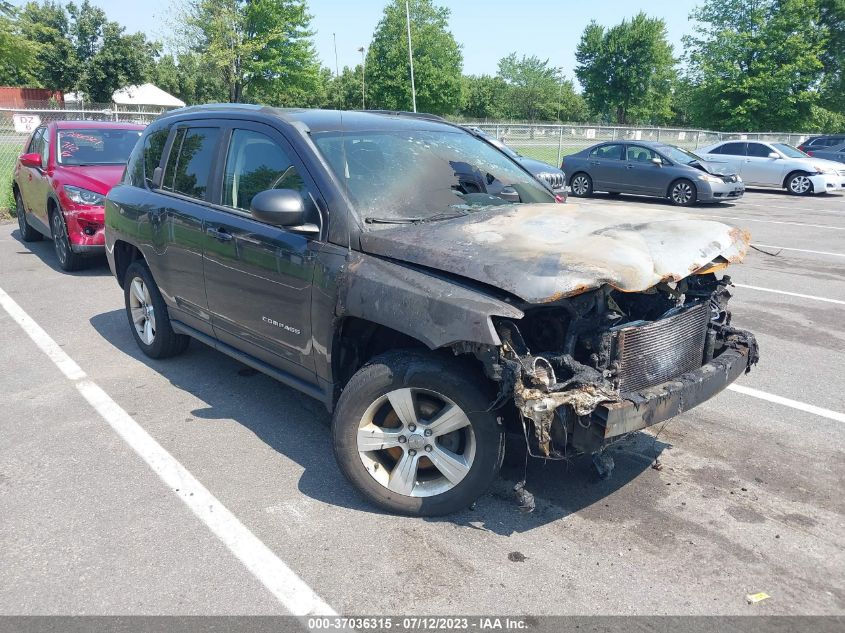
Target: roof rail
x: 417, y: 115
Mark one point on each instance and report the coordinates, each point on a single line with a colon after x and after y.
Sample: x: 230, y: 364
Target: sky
x: 487, y: 29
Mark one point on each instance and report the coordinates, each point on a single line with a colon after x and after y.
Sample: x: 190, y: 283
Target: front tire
x: 68, y: 260
x: 28, y: 234
x: 148, y: 315
x: 412, y: 433
x: 799, y: 184
x: 581, y: 185
x: 683, y: 193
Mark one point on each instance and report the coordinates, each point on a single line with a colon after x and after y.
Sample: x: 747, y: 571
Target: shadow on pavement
x: 95, y: 266
x: 298, y: 428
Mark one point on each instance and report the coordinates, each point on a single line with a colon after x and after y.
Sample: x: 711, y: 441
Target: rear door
x: 177, y: 214
x: 731, y: 154
x: 606, y: 167
x: 258, y: 277
x: 758, y: 168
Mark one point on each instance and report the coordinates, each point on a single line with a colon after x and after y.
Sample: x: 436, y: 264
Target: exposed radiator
x: 655, y: 352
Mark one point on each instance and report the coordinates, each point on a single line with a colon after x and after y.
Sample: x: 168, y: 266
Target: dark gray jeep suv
x: 423, y: 286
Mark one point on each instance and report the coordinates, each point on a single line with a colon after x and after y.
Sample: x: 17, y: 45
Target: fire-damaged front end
x: 599, y: 365
x: 591, y: 324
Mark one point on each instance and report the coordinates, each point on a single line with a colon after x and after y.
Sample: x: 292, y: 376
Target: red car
x: 61, y: 181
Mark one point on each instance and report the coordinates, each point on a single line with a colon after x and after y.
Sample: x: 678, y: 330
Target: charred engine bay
x: 561, y: 362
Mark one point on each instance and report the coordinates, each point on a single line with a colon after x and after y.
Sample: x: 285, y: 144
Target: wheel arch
x: 124, y: 254
x: 676, y: 181
x: 793, y: 172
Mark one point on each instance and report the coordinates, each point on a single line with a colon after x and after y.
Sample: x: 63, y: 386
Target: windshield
x: 424, y: 175
x: 96, y: 147
x: 789, y: 151
x: 678, y: 155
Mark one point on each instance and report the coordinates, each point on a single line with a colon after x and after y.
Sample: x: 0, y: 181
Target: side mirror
x: 657, y: 161
x: 281, y: 207
x: 774, y: 155
x: 32, y: 159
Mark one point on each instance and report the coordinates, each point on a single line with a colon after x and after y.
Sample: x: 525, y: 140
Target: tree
x: 756, y: 65
x: 437, y: 60
x: 16, y: 52
x: 262, y: 49
x: 190, y: 77
x: 832, y: 17
x: 483, y: 97
x: 120, y: 60
x: 627, y: 70
x: 46, y: 25
x: 537, y: 91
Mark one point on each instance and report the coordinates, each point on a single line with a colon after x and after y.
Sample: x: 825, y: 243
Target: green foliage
x: 46, y: 25
x: 832, y: 17
x: 344, y: 91
x: 538, y: 92
x: 17, y: 54
x: 627, y: 70
x: 190, y: 77
x: 755, y: 65
x: 483, y: 97
x: 262, y: 49
x: 437, y: 60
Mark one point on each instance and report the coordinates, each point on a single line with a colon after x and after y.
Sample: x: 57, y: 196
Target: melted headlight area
x: 563, y: 362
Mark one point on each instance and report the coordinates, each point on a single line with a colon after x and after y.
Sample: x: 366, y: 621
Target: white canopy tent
x: 145, y: 95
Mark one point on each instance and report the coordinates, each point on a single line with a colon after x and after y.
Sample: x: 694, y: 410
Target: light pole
x: 411, y: 56
x: 362, y: 50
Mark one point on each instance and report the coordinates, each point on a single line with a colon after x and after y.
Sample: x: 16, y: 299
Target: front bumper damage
x: 595, y: 404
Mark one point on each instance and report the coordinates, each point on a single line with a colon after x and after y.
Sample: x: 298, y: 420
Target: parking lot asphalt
x: 748, y: 499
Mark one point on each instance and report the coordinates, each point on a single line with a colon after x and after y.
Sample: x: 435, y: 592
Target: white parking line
x: 294, y: 594
x: 791, y: 294
x: 787, y: 402
x: 815, y: 226
x: 799, y: 250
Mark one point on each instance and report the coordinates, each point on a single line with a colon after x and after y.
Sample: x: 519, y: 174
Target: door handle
x: 595, y: 162
x: 629, y: 166
x: 221, y: 234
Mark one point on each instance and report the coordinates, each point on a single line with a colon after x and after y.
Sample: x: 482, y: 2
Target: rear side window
x: 189, y: 164
x: 758, y: 151
x: 608, y: 152
x: 731, y: 149
x: 34, y: 146
x: 153, y: 149
x: 255, y: 163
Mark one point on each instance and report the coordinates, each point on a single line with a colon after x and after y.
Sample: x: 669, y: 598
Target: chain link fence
x: 17, y: 124
x: 546, y: 142
x: 550, y: 143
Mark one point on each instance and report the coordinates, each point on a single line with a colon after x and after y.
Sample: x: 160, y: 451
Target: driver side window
x: 255, y: 163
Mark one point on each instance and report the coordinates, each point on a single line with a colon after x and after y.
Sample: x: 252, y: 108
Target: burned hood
x: 545, y: 252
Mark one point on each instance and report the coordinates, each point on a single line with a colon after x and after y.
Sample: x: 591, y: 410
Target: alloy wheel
x: 60, y: 241
x: 580, y: 185
x: 21, y: 213
x: 416, y: 442
x: 800, y: 184
x: 682, y: 193
x: 142, y: 310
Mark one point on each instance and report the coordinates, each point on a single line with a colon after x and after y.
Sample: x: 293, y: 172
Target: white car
x: 778, y: 165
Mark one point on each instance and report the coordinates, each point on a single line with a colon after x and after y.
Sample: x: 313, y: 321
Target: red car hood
x: 97, y: 178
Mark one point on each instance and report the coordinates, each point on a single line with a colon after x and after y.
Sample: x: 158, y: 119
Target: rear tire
x: 28, y: 234
x: 68, y: 260
x: 412, y: 433
x: 581, y: 185
x: 799, y: 184
x: 683, y: 193
x: 147, y: 314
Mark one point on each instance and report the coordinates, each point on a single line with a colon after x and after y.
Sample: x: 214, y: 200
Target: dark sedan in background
x: 555, y: 178
x: 831, y: 152
x: 652, y: 169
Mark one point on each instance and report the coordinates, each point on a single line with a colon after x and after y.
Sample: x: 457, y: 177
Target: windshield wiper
x: 416, y: 220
